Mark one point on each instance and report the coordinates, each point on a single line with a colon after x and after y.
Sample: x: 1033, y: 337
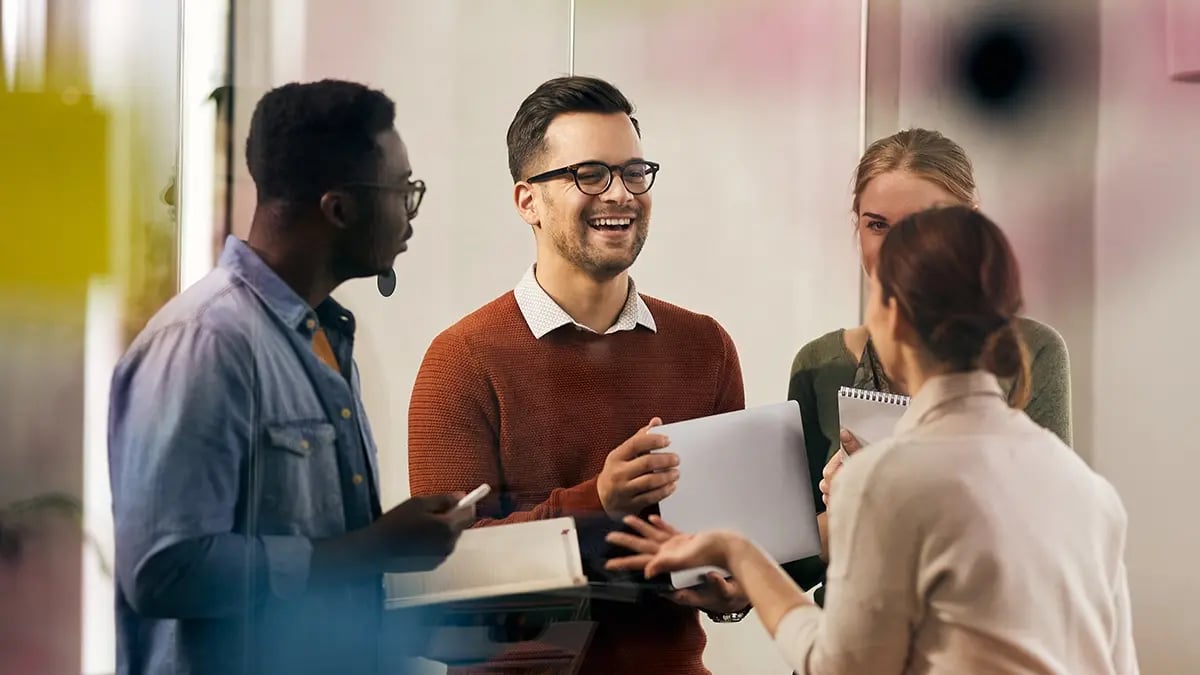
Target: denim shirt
x: 232, y: 447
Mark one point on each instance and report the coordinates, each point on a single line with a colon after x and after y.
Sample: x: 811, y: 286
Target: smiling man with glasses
x: 547, y: 392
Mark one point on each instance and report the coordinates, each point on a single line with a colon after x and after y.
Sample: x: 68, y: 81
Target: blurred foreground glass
x: 90, y: 201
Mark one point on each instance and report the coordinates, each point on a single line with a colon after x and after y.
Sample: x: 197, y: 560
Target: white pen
x: 473, y: 498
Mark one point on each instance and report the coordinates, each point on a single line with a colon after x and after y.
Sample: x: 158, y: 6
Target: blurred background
x: 122, y: 124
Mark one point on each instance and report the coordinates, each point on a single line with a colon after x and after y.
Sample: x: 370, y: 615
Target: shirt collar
x: 242, y: 262
x: 543, y: 314
x: 943, y: 389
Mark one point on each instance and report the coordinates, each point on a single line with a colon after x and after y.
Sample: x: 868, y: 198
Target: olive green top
x: 825, y: 365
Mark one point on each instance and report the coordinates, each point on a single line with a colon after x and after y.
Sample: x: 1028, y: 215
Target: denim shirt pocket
x: 300, y: 438
x: 299, y: 489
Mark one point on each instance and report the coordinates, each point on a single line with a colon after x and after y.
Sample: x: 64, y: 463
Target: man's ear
x: 525, y: 202
x: 339, y: 208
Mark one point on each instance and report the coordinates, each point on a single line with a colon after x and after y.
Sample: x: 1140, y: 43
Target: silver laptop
x: 746, y: 471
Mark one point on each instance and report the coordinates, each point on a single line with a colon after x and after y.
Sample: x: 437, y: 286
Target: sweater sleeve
x: 1050, y: 383
x: 731, y: 390
x: 454, y: 439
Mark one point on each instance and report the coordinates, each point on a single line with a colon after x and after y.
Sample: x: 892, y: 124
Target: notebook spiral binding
x: 874, y: 396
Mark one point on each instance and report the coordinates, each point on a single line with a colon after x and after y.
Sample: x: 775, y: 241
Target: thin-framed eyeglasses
x: 413, y: 190
x: 594, y: 178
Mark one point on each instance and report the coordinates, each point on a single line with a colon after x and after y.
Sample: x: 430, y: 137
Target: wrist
x: 728, y: 609
x: 603, y: 496
x: 348, y: 556
x: 823, y: 534
x: 730, y: 547
x: 728, y: 617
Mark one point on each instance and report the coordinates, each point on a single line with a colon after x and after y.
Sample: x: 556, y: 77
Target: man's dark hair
x: 306, y: 139
x: 527, y: 133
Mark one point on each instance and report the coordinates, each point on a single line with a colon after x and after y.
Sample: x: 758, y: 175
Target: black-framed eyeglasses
x: 594, y: 178
x: 413, y: 190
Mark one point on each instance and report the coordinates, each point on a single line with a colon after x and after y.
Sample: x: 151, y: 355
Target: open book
x: 535, y: 557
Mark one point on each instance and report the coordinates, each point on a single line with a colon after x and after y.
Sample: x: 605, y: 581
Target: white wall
x: 1147, y: 244
x: 752, y: 109
x: 1034, y: 165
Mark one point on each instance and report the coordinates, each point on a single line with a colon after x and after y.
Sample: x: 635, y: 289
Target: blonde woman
x: 897, y: 176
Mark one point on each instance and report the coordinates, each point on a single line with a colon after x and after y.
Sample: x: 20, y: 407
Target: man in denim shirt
x: 249, y: 534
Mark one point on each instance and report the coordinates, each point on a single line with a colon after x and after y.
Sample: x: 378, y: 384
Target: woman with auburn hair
x: 899, y: 175
x: 972, y: 541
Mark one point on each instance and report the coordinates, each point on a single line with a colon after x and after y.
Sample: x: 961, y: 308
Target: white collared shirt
x: 543, y: 314
x: 973, y: 541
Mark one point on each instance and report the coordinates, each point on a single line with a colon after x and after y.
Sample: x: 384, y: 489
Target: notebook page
x: 870, y: 415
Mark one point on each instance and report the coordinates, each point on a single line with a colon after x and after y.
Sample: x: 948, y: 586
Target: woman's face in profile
x: 886, y: 200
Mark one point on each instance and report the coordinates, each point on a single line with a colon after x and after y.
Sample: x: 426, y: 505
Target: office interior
x: 122, y: 171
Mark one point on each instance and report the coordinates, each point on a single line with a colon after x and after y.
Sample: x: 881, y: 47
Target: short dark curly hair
x: 307, y: 138
x: 561, y: 95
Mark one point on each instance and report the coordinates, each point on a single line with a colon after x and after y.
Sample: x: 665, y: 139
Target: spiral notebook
x: 870, y: 415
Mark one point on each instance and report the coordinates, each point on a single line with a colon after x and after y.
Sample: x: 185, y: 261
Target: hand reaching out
x: 658, y: 548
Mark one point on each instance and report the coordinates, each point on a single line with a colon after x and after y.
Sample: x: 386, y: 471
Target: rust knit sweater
x: 536, y: 419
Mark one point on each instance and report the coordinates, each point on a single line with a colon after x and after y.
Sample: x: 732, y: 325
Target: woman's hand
x: 659, y: 548
x: 850, y: 445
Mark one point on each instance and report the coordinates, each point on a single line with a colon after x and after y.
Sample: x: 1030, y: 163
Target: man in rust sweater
x: 547, y: 392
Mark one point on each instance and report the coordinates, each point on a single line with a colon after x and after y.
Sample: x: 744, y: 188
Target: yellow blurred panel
x: 53, y: 191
